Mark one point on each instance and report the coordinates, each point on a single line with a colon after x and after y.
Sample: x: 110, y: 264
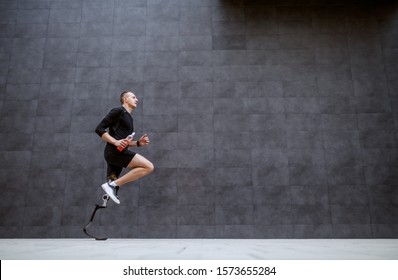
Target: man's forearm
x: 108, y: 138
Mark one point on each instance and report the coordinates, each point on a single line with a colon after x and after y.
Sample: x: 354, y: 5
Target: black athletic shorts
x: 117, y: 160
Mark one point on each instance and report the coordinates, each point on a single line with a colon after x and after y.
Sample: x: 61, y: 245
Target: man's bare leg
x: 140, y: 167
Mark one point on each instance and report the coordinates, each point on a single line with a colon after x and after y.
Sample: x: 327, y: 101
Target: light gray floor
x: 199, y: 249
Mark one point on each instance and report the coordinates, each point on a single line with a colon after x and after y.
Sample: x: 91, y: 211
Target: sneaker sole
x: 109, y: 192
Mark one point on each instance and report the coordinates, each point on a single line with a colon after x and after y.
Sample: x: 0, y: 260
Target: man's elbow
x: 99, y: 131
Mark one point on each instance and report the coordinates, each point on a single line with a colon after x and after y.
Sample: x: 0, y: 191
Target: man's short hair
x: 122, y: 95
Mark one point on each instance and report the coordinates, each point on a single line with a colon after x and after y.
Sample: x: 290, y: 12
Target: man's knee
x: 150, y: 167
x: 112, y: 177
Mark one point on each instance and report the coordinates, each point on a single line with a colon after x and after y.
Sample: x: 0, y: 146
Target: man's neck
x: 128, y: 108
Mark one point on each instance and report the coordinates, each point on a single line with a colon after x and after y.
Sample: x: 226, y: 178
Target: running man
x: 114, y: 130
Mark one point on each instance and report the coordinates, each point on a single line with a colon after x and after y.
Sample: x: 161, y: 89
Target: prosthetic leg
x: 105, y: 199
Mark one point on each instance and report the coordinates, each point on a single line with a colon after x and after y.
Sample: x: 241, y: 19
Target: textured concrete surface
x: 267, y: 119
x: 191, y: 249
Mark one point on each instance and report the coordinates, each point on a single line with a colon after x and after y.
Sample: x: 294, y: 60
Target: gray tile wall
x: 267, y: 119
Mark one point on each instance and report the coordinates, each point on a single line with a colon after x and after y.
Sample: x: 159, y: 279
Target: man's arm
x: 108, y: 121
x: 109, y: 139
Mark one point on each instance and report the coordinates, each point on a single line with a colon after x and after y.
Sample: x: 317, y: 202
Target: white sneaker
x: 110, y: 190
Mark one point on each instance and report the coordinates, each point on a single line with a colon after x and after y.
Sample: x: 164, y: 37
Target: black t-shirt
x: 118, y: 123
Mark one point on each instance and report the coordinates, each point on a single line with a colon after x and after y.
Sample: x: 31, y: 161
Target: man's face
x: 131, y: 100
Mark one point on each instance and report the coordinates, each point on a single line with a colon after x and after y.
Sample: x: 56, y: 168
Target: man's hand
x: 121, y: 144
x: 143, y: 141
